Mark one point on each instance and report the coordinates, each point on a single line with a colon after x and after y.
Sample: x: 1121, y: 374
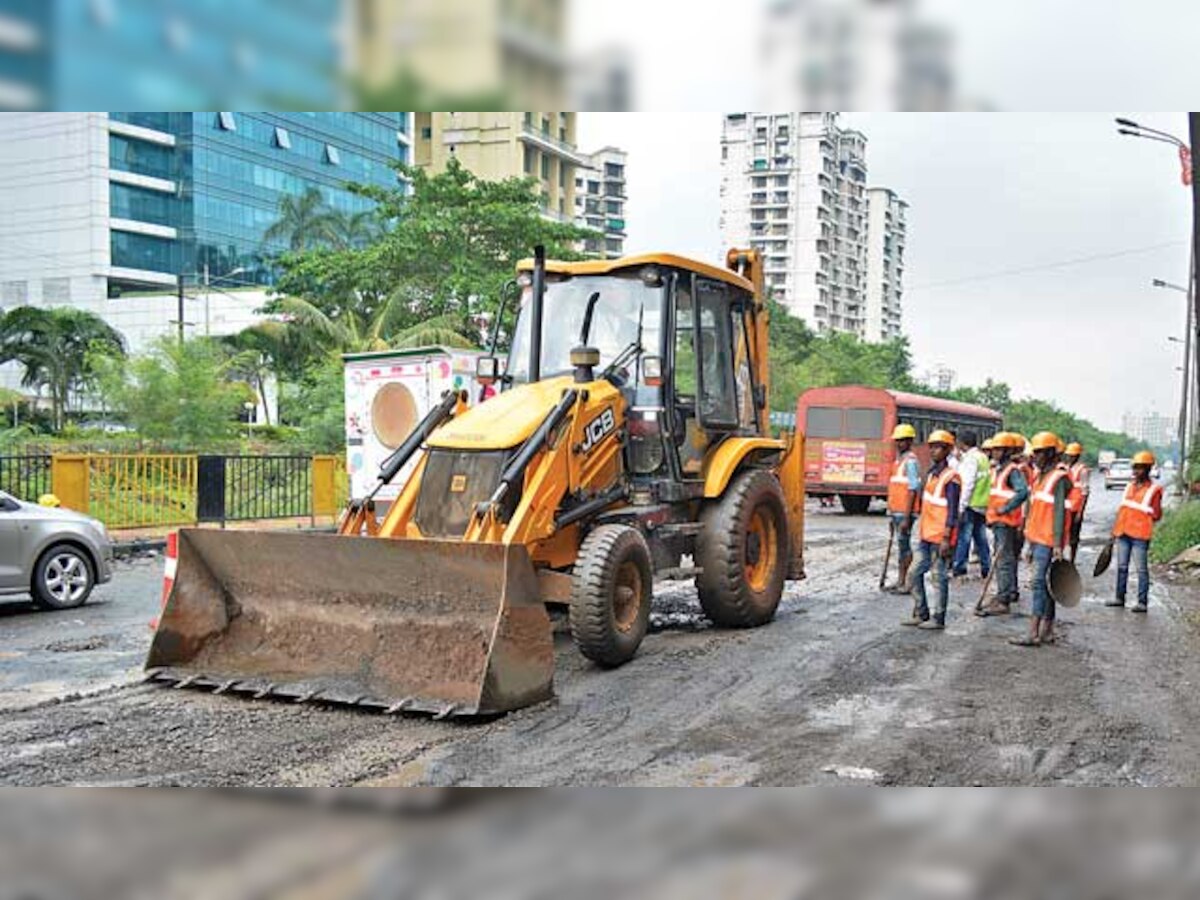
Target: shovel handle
x: 887, y: 556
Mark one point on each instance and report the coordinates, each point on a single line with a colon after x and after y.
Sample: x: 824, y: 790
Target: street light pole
x: 179, y: 305
x: 1184, y: 432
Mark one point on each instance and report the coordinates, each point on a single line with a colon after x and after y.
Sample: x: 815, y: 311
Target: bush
x: 1178, y: 530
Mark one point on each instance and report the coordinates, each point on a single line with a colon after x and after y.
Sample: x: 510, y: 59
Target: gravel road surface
x: 833, y: 692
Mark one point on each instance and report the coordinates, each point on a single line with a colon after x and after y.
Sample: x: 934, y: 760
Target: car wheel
x: 63, y: 578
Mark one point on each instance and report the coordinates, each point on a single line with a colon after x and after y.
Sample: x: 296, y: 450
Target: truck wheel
x: 610, y: 597
x: 855, y: 504
x: 742, y: 550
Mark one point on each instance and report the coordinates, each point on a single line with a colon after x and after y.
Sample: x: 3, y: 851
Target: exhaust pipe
x: 535, y: 314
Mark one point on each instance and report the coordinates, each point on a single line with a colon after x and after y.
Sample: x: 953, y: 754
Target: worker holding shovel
x: 904, y: 489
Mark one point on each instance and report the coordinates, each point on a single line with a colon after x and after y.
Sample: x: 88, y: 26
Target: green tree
x: 451, y: 242
x: 58, y: 349
x: 304, y: 221
x: 178, y: 392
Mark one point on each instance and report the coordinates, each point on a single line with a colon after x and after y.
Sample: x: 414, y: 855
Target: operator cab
x: 672, y: 335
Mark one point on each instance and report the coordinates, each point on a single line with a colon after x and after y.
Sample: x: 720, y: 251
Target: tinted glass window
x: 718, y: 400
x: 823, y: 422
x: 864, y: 423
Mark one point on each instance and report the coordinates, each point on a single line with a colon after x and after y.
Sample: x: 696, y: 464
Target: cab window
x: 717, y: 396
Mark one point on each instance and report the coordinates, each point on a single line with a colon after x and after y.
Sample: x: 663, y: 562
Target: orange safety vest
x: 1039, y: 527
x: 1081, y: 475
x: 1135, y: 517
x: 1000, y: 494
x: 898, y: 490
x: 1074, y: 498
x: 935, y: 508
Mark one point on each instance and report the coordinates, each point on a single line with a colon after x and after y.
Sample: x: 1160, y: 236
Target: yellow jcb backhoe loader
x: 629, y: 432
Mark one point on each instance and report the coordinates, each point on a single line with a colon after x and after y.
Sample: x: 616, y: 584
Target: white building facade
x: 887, y: 229
x: 600, y: 198
x: 794, y: 186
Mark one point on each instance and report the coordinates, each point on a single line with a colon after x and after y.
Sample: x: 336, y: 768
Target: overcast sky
x: 988, y: 193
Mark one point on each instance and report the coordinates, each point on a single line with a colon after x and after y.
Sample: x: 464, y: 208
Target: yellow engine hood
x: 505, y: 420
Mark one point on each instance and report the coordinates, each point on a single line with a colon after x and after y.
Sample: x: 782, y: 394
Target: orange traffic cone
x: 168, y: 573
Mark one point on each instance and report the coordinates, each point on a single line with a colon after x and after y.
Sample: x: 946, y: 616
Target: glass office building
x: 143, y: 54
x: 196, y: 189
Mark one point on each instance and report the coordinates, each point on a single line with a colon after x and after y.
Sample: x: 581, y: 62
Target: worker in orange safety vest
x: 938, y: 527
x: 904, y: 492
x: 1046, y: 528
x: 1141, y: 507
x: 1081, y: 477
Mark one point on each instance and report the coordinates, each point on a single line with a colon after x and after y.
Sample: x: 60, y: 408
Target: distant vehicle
x: 56, y: 555
x: 1104, y: 459
x: 1119, y: 474
x: 848, y: 450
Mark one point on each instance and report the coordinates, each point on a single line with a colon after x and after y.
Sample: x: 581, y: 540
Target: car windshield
x: 625, y: 304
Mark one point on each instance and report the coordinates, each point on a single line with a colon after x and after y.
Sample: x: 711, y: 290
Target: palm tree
x: 361, y: 331
x: 304, y: 222
x: 58, y: 349
x: 352, y: 230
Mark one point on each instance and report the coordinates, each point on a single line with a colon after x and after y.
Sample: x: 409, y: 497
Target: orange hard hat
x: 1074, y: 449
x: 1045, y: 440
x: 1011, y: 440
x: 1143, y: 458
x: 941, y: 436
x: 989, y: 444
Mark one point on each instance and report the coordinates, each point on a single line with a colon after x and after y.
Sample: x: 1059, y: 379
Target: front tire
x: 742, y: 550
x: 611, y: 592
x: 63, y: 578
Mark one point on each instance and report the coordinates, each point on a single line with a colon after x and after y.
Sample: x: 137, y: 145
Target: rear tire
x: 743, y: 552
x: 63, y: 578
x: 855, y: 504
x: 611, y: 593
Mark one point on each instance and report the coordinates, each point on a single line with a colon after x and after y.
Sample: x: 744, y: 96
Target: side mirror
x: 487, y: 370
x: 652, y: 374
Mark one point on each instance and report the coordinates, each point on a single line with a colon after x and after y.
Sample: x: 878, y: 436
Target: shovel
x: 887, y: 556
x: 1104, y: 560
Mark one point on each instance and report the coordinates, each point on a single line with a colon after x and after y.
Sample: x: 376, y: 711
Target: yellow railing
x: 160, y: 490
x: 134, y: 491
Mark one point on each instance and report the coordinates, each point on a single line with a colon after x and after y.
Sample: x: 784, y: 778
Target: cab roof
x: 609, y: 266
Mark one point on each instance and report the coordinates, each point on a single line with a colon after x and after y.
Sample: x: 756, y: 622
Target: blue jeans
x: 972, y: 527
x: 1006, y: 562
x: 927, y: 558
x: 903, y: 538
x: 1132, y: 547
x: 1043, y: 603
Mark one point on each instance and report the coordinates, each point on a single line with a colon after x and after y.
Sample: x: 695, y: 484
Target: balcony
x: 547, y: 143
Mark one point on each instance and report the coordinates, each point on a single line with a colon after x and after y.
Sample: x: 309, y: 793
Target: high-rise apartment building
x: 794, y: 186
x: 498, y: 145
x: 107, y: 210
x: 600, y: 202
x: 464, y: 49
x: 1150, y: 428
x: 887, y: 230
x: 854, y: 54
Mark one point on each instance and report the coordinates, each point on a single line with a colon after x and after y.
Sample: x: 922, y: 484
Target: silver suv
x: 55, y: 554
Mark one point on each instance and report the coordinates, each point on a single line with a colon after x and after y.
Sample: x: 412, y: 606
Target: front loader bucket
x: 445, y: 627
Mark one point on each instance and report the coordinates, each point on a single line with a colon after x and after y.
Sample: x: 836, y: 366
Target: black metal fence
x: 26, y: 476
x: 232, y: 488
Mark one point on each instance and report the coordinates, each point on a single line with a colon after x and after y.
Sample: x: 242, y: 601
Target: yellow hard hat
x: 941, y: 436
x: 1074, y: 449
x: 1045, y: 440
x: 1143, y: 458
x: 902, y: 431
x: 1062, y: 448
x: 49, y: 500
x: 1012, y: 439
x: 989, y: 443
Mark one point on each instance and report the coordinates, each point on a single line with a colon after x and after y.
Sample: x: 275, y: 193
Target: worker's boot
x: 937, y: 623
x: 1116, y: 602
x: 902, y: 586
x: 916, y: 619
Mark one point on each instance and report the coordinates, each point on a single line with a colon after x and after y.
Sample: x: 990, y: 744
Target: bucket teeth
x: 222, y: 688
